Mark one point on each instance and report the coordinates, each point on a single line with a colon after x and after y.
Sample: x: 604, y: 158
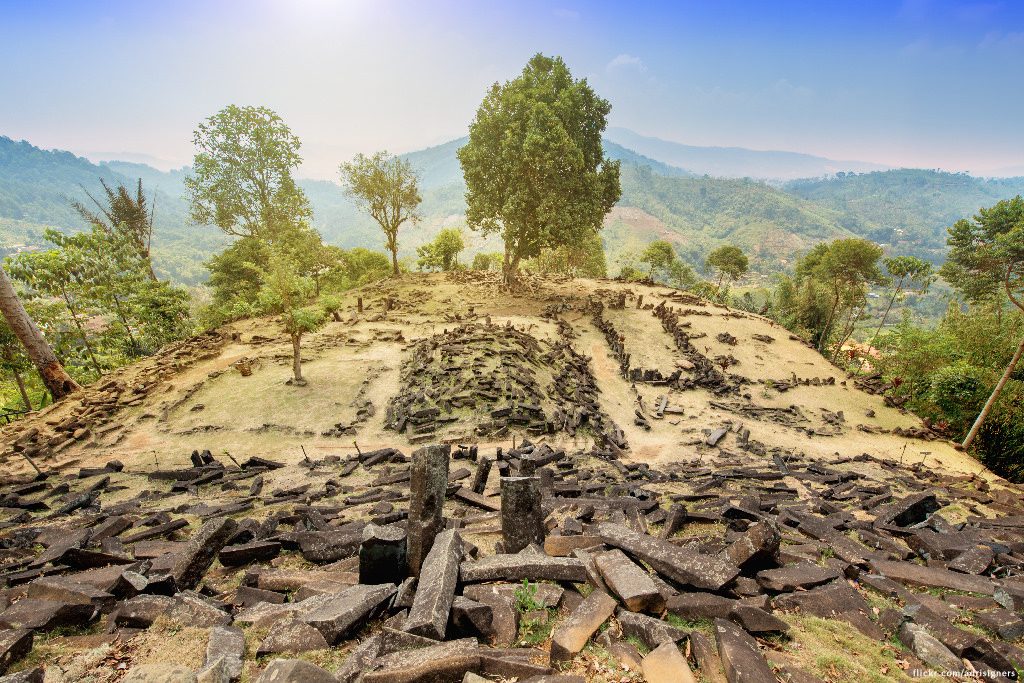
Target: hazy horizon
x: 920, y: 83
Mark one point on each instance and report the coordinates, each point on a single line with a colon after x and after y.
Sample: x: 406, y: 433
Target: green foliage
x: 443, y: 252
x: 241, y: 178
x: 487, y: 261
x: 663, y: 266
x: 385, y: 187
x: 659, y: 255
x: 729, y: 261
x: 534, y: 166
x: 526, y: 598
x: 986, y: 253
x: 581, y: 259
x: 829, y: 283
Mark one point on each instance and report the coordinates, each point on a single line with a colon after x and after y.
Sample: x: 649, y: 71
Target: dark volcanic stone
x: 382, y: 555
x: 201, y: 550
x: 15, y: 643
x: 436, y: 587
x: 428, y: 483
x: 633, y: 585
x: 246, y: 553
x: 796, y: 576
x: 741, y: 658
x: 522, y: 521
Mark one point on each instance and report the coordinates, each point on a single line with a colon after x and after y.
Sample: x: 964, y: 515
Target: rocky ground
x: 592, y: 480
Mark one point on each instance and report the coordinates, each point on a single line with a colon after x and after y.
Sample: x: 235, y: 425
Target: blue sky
x: 927, y: 83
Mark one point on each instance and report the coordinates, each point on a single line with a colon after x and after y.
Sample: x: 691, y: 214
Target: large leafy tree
x: 241, y: 178
x: 534, y: 165
x: 729, y: 261
x: 986, y: 255
x: 56, y: 379
x: 386, y: 187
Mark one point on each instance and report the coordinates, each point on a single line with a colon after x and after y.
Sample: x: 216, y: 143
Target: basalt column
x: 428, y: 483
x: 522, y: 521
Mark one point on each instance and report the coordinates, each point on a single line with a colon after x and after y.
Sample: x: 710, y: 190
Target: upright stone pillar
x: 522, y: 521
x: 483, y: 470
x: 382, y: 555
x: 429, y: 480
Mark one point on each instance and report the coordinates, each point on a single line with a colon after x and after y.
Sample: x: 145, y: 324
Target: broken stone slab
x: 693, y: 606
x: 191, y: 610
x: 706, y: 655
x: 795, y: 577
x: 324, y: 547
x: 436, y: 587
x: 757, y: 621
x: 429, y: 482
x: 666, y: 664
x: 470, y: 618
x: 288, y: 636
x: 629, y: 582
x: 15, y: 643
x: 648, y: 630
x: 685, y: 567
x: 835, y: 600
x: 225, y: 649
x: 1003, y: 622
x: 756, y: 547
x: 201, y: 550
x: 522, y: 520
x: 529, y: 564
x: 65, y: 589
x: 295, y: 671
x: 570, y: 636
x: 359, y: 659
x: 740, y: 655
x: 247, y: 553
x: 44, y: 615
x: 442, y: 662
x: 928, y: 648
x: 911, y: 510
x: 341, y: 613
x: 563, y: 546
x: 504, y: 617
x: 975, y: 560
x: 912, y: 574
x: 382, y: 555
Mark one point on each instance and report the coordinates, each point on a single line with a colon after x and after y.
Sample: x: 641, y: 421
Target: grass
x: 535, y: 632
x: 703, y: 625
x: 835, y: 652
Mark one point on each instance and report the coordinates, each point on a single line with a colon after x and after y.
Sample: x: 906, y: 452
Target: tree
x: 904, y: 270
x: 986, y: 253
x: 534, y: 165
x: 241, y: 178
x: 12, y: 360
x: 386, y: 187
x: 729, y: 261
x: 487, y: 261
x: 287, y: 294
x: 659, y: 255
x: 57, y: 380
x: 125, y: 214
x: 580, y: 259
x: 443, y: 252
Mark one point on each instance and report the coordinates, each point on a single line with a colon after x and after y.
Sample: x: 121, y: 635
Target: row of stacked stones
x: 396, y: 569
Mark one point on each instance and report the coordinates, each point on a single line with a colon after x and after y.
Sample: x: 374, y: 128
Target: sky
x: 918, y: 83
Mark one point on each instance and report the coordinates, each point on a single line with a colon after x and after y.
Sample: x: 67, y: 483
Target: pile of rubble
x: 445, y: 565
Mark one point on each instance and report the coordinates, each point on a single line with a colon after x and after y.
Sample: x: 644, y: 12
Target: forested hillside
x: 909, y: 210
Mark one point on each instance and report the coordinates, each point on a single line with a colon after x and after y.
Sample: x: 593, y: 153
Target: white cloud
x: 626, y: 62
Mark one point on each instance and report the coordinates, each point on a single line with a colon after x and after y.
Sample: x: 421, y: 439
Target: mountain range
x: 692, y: 197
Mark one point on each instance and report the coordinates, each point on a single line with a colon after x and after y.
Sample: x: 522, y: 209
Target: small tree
x: 729, y: 261
x: 659, y: 256
x: 534, y: 165
x: 126, y: 214
x: 987, y: 254
x: 287, y: 294
x: 442, y: 253
x: 386, y: 187
x: 241, y: 178
x: 903, y: 271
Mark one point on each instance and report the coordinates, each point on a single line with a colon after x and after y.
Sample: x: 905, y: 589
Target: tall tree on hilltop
x: 241, y: 178
x: 287, y: 294
x: 534, y: 165
x: 126, y: 214
x: 987, y: 254
x: 56, y: 379
x: 387, y: 188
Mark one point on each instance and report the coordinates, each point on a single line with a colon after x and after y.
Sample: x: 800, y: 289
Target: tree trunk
x: 297, y: 359
x: 990, y: 403
x: 823, y: 340
x: 885, y: 315
x: 56, y: 379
